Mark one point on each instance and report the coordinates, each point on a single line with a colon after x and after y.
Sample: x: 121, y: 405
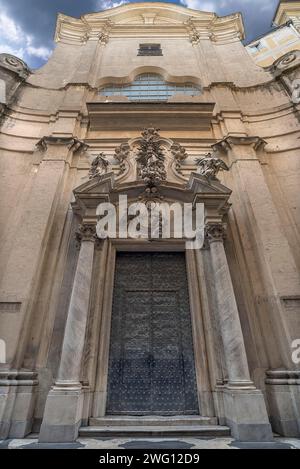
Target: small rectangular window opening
x: 150, y: 49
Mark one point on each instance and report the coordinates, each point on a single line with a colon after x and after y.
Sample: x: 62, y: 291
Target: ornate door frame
x: 215, y: 197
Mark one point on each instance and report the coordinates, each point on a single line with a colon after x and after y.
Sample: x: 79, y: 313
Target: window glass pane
x: 149, y: 86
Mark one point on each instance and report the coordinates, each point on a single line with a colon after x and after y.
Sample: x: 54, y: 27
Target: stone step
x: 153, y: 420
x: 155, y: 431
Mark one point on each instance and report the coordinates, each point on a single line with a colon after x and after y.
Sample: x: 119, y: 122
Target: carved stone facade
x: 59, y: 308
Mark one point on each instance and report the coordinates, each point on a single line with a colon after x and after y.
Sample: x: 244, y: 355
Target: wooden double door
x: 151, y: 362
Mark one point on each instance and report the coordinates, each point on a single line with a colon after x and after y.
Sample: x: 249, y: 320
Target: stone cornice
x: 157, y: 18
x: 286, y: 11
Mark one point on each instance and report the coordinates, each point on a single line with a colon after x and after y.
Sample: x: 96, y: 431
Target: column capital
x: 71, y: 143
x: 215, y: 233
x: 228, y: 143
x: 86, y: 232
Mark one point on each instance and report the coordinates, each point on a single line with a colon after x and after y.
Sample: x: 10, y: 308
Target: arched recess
x: 180, y: 79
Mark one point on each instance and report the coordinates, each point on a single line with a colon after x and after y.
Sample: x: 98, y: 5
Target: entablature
x: 129, y: 115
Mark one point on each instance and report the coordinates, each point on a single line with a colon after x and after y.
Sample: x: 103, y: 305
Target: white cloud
x: 40, y: 52
x: 15, y: 41
x: 200, y: 5
x: 6, y: 49
x: 11, y: 31
x: 234, y: 5
x: 106, y: 4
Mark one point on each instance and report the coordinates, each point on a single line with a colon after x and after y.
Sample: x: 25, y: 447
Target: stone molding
x: 18, y: 378
x: 283, y: 377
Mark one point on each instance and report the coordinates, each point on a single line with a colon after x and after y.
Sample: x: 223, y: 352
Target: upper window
x: 150, y: 87
x: 150, y: 49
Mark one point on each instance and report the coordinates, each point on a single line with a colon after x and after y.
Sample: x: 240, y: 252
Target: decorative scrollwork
x: 179, y: 154
x: 15, y: 64
x: 121, y: 154
x: 286, y: 59
x: 99, y: 166
x: 209, y: 166
x: 151, y: 158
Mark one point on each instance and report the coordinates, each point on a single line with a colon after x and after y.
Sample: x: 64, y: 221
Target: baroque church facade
x: 120, y: 335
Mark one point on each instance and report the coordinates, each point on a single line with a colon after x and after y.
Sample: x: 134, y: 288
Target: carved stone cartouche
x: 151, y: 159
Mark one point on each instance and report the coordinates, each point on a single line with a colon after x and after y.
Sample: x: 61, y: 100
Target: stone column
x: 63, y: 412
x: 244, y: 405
x: 276, y: 283
x: 230, y: 326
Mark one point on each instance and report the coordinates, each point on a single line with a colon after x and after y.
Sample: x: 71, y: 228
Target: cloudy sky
x: 27, y: 26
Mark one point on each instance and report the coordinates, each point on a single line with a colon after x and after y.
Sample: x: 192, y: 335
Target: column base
x: 283, y: 393
x: 17, y: 399
x: 246, y: 414
x: 62, y: 416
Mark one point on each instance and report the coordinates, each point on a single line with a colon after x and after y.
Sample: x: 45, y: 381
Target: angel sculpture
x: 210, y: 165
x: 99, y: 166
x: 180, y: 155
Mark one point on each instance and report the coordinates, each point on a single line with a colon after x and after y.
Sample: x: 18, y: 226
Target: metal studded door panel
x: 151, y: 363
